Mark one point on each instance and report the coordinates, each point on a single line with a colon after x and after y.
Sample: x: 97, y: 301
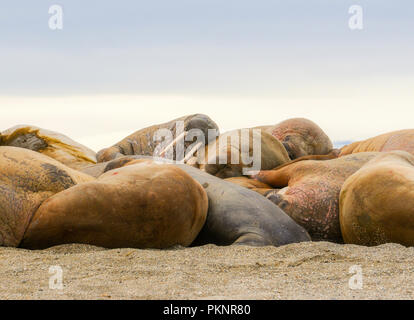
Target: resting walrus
x: 396, y: 140
x: 235, y: 214
x: 28, y: 178
x: 139, y: 206
x: 377, y: 201
x: 144, y: 141
x: 301, y: 137
x: 310, y: 192
x: 261, y: 149
x: 52, y: 144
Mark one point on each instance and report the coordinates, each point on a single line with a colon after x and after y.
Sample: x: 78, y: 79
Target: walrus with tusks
x: 144, y: 142
x: 143, y: 205
x: 49, y: 143
x: 377, y: 201
x: 27, y: 179
x: 309, y: 192
x: 234, y: 152
x: 236, y: 215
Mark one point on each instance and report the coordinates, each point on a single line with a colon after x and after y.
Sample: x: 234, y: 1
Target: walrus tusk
x: 193, y: 151
x: 172, y: 144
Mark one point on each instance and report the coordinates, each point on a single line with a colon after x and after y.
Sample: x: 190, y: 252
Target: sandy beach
x: 313, y: 270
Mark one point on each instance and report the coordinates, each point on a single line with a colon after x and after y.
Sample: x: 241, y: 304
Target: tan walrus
x: 377, y: 201
x: 301, y: 137
x: 252, y: 184
x: 28, y: 178
x: 235, y: 152
x: 396, y: 140
x: 145, y: 142
x: 310, y: 192
x: 51, y: 144
x: 144, y: 205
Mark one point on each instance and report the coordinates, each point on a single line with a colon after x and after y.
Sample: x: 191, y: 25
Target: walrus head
x: 302, y: 137
x: 203, y: 123
x: 109, y: 154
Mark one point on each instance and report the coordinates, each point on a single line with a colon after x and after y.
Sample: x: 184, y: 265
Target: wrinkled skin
x: 142, y: 141
x: 236, y: 215
x: 301, y: 137
x: 49, y: 143
x: 396, y: 140
x: 377, y: 202
x: 28, y: 178
x: 310, y: 192
x: 252, y: 184
x: 272, y: 154
x: 139, y: 206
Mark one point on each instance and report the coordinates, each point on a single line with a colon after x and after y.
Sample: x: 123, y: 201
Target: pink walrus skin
x: 310, y: 190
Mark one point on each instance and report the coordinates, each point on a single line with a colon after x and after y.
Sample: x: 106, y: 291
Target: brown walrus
x: 252, y: 184
x: 236, y: 215
x: 231, y: 159
x: 396, y: 140
x: 140, y: 206
x: 301, y: 137
x: 310, y: 192
x: 144, y: 141
x: 377, y: 201
x: 51, y: 144
x: 28, y: 178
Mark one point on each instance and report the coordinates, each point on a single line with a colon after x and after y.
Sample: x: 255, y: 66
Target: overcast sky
x: 117, y: 66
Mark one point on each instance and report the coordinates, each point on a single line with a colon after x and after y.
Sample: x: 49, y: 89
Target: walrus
x: 145, y: 142
x: 309, y: 192
x: 252, y: 184
x: 27, y: 179
x: 139, y: 206
x: 396, y: 140
x: 301, y: 137
x: 377, y: 201
x: 236, y: 215
x: 234, y: 152
x: 50, y: 143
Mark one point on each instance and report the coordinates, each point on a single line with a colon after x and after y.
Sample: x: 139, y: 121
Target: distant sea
x: 341, y: 143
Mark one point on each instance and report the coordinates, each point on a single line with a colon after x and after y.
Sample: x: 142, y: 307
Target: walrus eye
x: 283, y: 204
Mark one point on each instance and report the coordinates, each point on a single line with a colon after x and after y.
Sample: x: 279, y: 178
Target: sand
x: 314, y: 270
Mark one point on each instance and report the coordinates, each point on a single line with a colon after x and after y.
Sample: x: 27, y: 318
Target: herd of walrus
x: 56, y: 191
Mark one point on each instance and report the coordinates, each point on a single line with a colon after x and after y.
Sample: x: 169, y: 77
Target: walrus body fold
x: 252, y: 184
x: 27, y: 179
